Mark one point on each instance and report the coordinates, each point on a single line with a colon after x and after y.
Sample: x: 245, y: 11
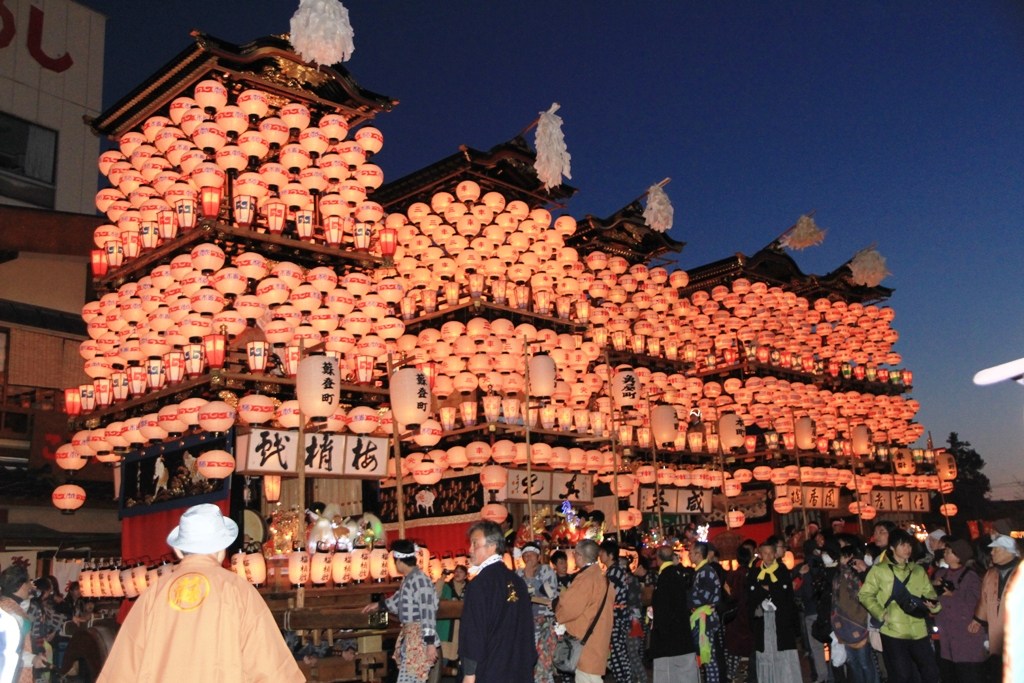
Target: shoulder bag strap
x: 597, y: 615
x: 894, y: 580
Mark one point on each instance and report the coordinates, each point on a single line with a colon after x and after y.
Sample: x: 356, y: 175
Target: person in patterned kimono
x: 704, y: 597
x: 621, y: 619
x: 542, y: 582
x: 415, y: 604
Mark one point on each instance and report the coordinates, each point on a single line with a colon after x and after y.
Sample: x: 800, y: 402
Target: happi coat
x: 200, y: 623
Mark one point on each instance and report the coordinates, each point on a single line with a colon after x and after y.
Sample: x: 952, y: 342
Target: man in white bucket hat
x: 202, y: 622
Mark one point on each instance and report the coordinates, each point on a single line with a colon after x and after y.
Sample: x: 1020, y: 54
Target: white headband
x: 405, y: 556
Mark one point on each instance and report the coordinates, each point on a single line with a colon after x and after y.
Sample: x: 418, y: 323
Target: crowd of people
x: 34, y: 619
x: 811, y: 605
x: 820, y: 605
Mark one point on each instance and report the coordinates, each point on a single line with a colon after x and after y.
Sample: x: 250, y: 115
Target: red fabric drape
x: 758, y: 532
x: 440, y: 538
x: 144, y: 537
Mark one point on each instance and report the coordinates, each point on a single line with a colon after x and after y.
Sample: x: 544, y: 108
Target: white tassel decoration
x: 321, y: 32
x: 658, y: 212
x: 804, y: 234
x: 552, y: 156
x: 868, y: 268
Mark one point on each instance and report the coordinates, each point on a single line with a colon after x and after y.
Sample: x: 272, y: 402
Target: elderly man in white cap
x: 202, y: 622
x: 990, y: 613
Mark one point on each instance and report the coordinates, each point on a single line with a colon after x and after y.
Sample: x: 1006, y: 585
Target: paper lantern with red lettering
x: 68, y: 497
x: 783, y: 505
x: 625, y: 485
x: 426, y: 472
x: 734, y: 519
x: 948, y: 509
x: 216, y: 416
x: 256, y: 409
x: 215, y: 464
x: 493, y: 477
x: 67, y: 458
x: 494, y: 512
x: 363, y: 420
x: 629, y: 518
x: 645, y: 474
x: 732, y: 488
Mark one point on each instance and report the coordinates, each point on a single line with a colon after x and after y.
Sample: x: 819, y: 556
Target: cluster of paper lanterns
x: 116, y: 579
x: 339, y: 566
x: 109, y: 443
x: 274, y: 163
x: 285, y: 167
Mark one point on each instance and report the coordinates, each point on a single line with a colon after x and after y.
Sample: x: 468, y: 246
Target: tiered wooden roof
x: 268, y: 64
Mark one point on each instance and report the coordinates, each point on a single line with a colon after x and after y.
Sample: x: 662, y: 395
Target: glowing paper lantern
x: 783, y: 505
x: 625, y: 388
x: 861, y: 438
x: 731, y: 432
x: 68, y: 497
x: 215, y: 464
x: 216, y: 416
x: 426, y: 472
x: 340, y: 567
x: 255, y: 567
x: 542, y: 375
x: 363, y: 420
x: 494, y: 512
x: 317, y: 386
x: 805, y: 434
x: 493, y: 477
x: 664, y: 425
x: 298, y: 567
x: 67, y: 458
x: 256, y: 409
x: 948, y: 510
x: 945, y: 466
x: 410, y: 397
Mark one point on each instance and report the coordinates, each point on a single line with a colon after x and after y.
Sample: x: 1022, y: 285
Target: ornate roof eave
x: 625, y: 234
x: 506, y: 168
x: 266, y: 63
x: 775, y: 267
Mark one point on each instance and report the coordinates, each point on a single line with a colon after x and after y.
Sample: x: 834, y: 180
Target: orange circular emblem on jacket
x: 188, y: 592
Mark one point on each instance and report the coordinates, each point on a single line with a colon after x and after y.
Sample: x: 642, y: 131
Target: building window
x: 28, y: 161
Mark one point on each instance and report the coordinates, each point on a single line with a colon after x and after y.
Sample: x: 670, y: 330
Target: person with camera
x: 961, y: 652
x: 990, y: 614
x: 899, y: 594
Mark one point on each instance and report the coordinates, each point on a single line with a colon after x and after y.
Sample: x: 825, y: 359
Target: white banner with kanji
x: 275, y: 451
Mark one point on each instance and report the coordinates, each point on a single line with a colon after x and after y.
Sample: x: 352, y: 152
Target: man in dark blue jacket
x: 672, y: 647
x: 496, y: 637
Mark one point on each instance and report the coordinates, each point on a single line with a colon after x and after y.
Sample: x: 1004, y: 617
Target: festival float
x: 336, y: 360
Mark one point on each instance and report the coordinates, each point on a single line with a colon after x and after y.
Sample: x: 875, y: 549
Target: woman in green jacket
x: 906, y: 645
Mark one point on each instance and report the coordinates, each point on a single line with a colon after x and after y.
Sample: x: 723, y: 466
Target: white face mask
x: 827, y: 560
x: 943, y: 564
